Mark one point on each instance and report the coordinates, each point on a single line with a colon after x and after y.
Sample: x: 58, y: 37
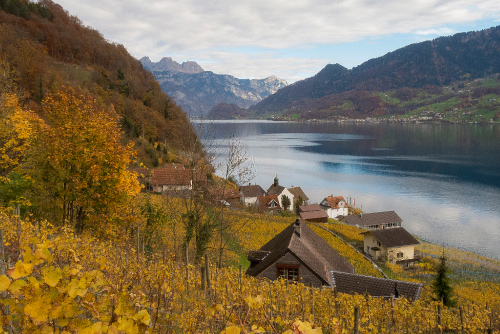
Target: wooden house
x: 298, y: 193
x: 375, y: 220
x: 297, y: 254
x: 313, y: 213
x: 250, y: 193
x: 394, y: 245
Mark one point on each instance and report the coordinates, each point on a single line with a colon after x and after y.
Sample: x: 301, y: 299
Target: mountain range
x: 197, y: 91
x: 422, y: 70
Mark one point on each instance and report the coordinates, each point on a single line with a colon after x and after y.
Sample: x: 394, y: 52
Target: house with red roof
x: 269, y: 203
x: 335, y: 206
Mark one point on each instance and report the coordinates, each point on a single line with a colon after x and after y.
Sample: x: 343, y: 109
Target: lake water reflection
x: 443, y: 180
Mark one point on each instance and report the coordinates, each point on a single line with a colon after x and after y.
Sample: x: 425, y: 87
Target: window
x: 400, y: 255
x: 288, y: 272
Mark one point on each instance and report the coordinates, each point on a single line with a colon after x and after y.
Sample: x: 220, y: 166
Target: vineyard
x: 59, y: 282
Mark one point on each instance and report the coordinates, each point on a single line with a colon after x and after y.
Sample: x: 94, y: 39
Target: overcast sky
x: 291, y: 39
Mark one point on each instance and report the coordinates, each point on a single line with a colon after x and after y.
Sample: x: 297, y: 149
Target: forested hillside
x: 42, y: 46
x: 424, y: 68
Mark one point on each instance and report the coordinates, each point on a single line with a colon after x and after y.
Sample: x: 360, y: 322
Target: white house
x: 394, y: 245
x: 280, y: 191
x: 335, y: 206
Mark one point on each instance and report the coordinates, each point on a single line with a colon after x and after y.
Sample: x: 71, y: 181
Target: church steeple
x: 276, y: 181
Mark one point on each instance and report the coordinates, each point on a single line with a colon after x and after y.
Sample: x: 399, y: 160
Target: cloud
x: 200, y: 28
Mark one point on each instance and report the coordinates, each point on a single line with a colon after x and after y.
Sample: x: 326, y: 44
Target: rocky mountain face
x: 168, y: 64
x: 198, y: 91
x: 439, y: 63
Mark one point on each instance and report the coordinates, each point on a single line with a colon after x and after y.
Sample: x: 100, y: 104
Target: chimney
x: 297, y: 227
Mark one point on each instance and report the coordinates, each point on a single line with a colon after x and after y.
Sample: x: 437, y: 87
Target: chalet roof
x: 170, y: 176
x: 374, y: 286
x: 257, y: 255
x: 393, y: 237
x: 375, y: 218
x: 229, y: 193
x: 308, y: 215
x: 333, y: 201
x: 265, y: 201
x: 311, y: 207
x: 275, y: 190
x: 297, y: 191
x: 308, y: 247
x: 252, y: 190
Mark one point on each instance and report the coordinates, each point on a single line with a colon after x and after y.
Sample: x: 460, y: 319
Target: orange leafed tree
x: 79, y: 162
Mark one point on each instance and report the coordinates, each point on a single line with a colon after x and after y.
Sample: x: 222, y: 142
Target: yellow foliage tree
x: 78, y: 162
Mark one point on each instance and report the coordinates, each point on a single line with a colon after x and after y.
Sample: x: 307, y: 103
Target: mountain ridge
x: 198, y: 91
x: 438, y: 62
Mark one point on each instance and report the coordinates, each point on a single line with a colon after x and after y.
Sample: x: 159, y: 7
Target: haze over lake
x: 442, y: 180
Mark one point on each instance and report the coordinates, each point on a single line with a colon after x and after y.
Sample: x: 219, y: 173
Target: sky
x: 290, y: 39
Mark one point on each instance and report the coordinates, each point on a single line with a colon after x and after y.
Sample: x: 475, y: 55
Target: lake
x: 443, y: 180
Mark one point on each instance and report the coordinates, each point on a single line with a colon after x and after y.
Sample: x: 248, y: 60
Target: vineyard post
x: 312, y: 297
x: 203, y: 280
x: 239, y: 281
x: 439, y: 315
x: 460, y: 309
x: 138, y: 243
x: 490, y: 329
x: 18, y: 214
x: 207, y: 266
x: 271, y: 301
x: 3, y: 270
x: 356, y: 320
x: 392, y: 311
x: 335, y: 294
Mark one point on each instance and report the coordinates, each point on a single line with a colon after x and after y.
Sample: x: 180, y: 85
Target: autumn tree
x: 239, y: 167
x: 78, y: 161
x: 16, y: 131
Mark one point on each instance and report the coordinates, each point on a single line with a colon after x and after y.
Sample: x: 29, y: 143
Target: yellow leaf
x: 15, y: 287
x: 143, y: 317
x: 62, y: 322
x: 21, y: 270
x: 43, y: 253
x: 4, y: 283
x: 51, y: 275
x: 233, y: 330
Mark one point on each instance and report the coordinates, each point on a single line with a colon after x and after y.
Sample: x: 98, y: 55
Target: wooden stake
x: 356, y: 320
x: 207, y: 266
x: 3, y: 269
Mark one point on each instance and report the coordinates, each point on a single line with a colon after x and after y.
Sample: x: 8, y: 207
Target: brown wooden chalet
x: 313, y: 213
x: 250, y: 193
x: 171, y: 178
x: 297, y: 254
x: 229, y: 196
x: 374, y: 286
x: 375, y: 220
x: 298, y: 192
